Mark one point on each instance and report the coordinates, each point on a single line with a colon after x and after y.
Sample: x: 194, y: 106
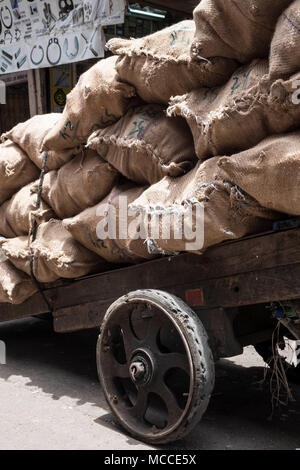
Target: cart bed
x: 249, y: 271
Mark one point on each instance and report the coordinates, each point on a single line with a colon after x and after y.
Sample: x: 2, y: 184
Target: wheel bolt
x: 114, y: 400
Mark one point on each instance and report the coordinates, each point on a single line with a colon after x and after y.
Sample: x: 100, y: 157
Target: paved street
x: 50, y: 399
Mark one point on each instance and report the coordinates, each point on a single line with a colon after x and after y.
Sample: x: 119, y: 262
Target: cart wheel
x: 155, y: 365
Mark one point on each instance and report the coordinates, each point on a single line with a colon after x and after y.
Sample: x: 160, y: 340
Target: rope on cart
x: 281, y: 394
x: 34, y: 233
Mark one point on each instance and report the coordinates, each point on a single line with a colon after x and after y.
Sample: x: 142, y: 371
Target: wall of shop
x: 14, y: 105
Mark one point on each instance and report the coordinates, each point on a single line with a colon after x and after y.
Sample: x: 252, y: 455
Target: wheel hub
x: 141, y: 368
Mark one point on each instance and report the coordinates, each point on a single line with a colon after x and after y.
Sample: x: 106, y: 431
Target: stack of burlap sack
x: 200, y: 118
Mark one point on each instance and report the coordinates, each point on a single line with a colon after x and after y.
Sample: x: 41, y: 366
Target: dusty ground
x: 50, y: 399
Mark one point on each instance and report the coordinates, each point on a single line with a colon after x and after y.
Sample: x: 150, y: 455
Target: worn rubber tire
x: 202, y: 359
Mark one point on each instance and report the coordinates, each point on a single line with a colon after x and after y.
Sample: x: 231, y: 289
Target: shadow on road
x: 63, y: 365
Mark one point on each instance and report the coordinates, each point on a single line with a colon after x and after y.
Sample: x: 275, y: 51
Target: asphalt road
x: 50, y: 399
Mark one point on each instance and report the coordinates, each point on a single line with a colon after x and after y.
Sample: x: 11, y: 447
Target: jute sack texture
x: 160, y: 66
x: 235, y: 29
x: 29, y: 135
x: 104, y: 228
x: 228, y: 213
x: 99, y: 99
x: 145, y: 145
x: 15, y: 286
x: 56, y: 254
x: 269, y: 172
x: 230, y: 121
x: 285, y: 46
x: 18, y: 213
x: 16, y: 170
x: 79, y: 184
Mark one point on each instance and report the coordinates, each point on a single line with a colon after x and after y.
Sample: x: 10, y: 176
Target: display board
x: 40, y: 33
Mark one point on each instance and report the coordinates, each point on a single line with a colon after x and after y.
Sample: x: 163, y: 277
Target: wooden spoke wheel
x: 155, y: 365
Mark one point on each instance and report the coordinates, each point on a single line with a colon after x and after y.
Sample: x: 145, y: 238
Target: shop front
x: 43, y: 51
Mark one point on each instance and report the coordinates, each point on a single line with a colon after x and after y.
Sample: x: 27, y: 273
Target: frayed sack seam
x: 140, y: 146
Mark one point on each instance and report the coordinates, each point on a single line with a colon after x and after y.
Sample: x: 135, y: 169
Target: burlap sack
x: 269, y: 172
x: 145, y: 145
x: 29, y: 136
x: 175, y: 223
x: 230, y: 121
x: 56, y: 254
x: 236, y: 29
x: 18, y: 213
x: 15, y: 286
x: 79, y: 184
x: 99, y: 99
x: 160, y: 66
x: 16, y: 170
x: 104, y: 228
x: 158, y: 214
x: 285, y: 46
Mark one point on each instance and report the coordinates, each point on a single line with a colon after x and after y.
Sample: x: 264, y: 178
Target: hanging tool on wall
x: 7, y: 21
x: 50, y: 19
x: 35, y: 60
x: 90, y: 44
x: 65, y: 7
x: 53, y: 42
x: 71, y: 55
